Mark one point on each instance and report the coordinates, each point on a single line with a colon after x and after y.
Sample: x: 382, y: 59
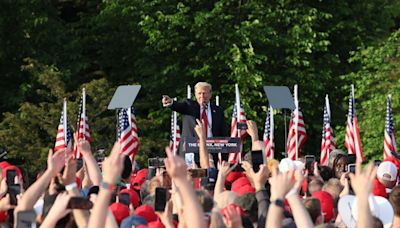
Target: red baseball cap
x: 232, y: 176
x: 245, y: 189
x: 327, y: 204
x: 237, y: 184
x: 134, y: 197
x: 120, y: 211
x: 139, y: 179
x: 146, y: 212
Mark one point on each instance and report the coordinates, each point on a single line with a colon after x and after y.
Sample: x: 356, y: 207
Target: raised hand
x: 166, y: 100
x: 83, y: 145
x: 232, y: 217
x: 281, y: 183
x: 56, y: 161
x: 113, y: 165
x: 363, y: 180
x: 252, y: 130
x: 175, y: 165
x: 200, y: 130
x: 69, y: 174
x: 225, y: 169
x: 257, y: 179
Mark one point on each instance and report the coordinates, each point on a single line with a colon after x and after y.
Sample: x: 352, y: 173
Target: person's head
x: 203, y: 93
x: 315, y: 186
x: 325, y: 172
x: 327, y: 205
x: 387, y: 174
x: 394, y: 199
x: 248, y: 203
x: 205, y: 200
x: 338, y: 162
x: 334, y: 188
x: 313, y: 207
x: 225, y: 198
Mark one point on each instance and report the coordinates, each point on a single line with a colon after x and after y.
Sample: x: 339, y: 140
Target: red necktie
x: 205, y: 121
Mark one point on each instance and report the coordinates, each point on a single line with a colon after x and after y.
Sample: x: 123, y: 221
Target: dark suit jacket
x: 191, y: 111
x: 192, y: 108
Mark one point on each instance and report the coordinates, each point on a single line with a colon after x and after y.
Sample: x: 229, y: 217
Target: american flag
x: 62, y: 140
x: 82, y: 126
x: 134, y: 131
x: 390, y: 137
x: 352, y: 140
x: 268, y: 137
x: 125, y: 133
x: 237, y: 117
x: 328, y: 143
x: 175, y: 136
x: 296, y: 130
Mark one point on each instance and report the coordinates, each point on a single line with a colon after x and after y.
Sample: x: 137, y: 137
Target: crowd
x: 282, y: 193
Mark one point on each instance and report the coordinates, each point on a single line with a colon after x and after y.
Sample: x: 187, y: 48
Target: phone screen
x: 14, y: 190
x: 160, y: 199
x: 79, y: 203
x: 151, y: 172
x: 10, y: 175
x: 26, y: 219
x: 124, y: 198
x: 79, y: 164
x: 257, y: 159
x: 351, y: 168
x: 242, y: 126
x: 310, y: 159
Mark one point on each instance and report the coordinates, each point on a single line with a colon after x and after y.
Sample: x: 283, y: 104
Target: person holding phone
x: 338, y: 162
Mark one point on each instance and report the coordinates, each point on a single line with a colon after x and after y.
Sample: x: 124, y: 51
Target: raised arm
x: 55, y: 162
x: 91, y: 164
x: 222, y: 174
x: 204, y: 156
x: 281, y: 183
x: 258, y: 181
x: 362, y: 182
x: 112, y: 168
x: 176, y: 169
x: 301, y: 216
x: 252, y: 130
x: 69, y: 180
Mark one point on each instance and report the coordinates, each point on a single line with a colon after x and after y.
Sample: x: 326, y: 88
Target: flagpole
x: 189, y: 92
x: 352, y: 119
x: 296, y: 126
x: 237, y: 98
x: 217, y: 100
x: 271, y: 135
x: 83, y: 113
x: 65, y: 121
x: 174, y: 124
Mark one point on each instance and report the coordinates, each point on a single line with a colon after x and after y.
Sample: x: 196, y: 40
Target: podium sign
x: 214, y: 145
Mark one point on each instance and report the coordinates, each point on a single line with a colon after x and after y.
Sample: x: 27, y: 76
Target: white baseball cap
x: 388, y: 168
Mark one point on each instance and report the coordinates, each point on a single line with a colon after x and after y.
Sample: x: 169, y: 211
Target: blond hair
x: 203, y: 84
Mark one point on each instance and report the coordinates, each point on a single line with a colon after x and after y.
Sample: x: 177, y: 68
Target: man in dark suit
x: 211, y: 115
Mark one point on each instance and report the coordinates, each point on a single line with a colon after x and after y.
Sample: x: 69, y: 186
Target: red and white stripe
x: 239, y: 115
x: 352, y: 140
x: 327, y: 144
x: 389, y: 135
x: 82, y: 125
x: 297, y: 132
